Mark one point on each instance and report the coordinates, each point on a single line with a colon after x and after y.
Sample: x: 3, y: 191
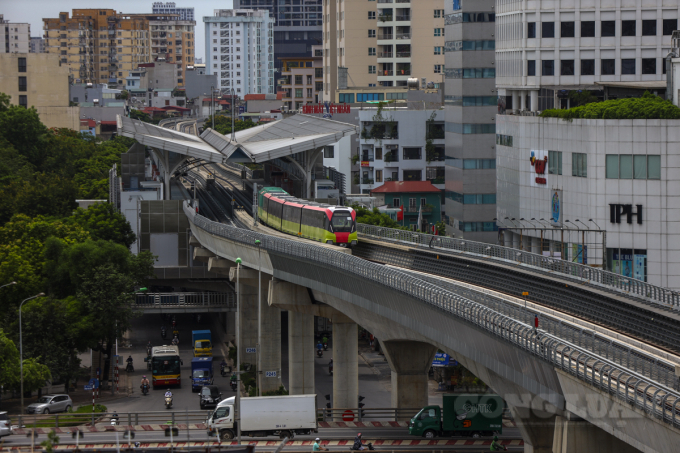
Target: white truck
x: 282, y: 416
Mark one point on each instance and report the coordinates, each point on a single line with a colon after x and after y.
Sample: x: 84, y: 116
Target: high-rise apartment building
x: 184, y: 13
x: 37, y: 45
x: 239, y: 48
x: 470, y: 96
x: 382, y: 43
x: 14, y: 37
x: 297, y: 26
x: 103, y: 46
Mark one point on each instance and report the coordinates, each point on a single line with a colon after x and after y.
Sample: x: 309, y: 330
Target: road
x: 328, y: 434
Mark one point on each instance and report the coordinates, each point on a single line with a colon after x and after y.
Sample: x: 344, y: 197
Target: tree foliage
x: 223, y: 124
x: 647, y: 107
x: 102, y: 221
x: 375, y: 217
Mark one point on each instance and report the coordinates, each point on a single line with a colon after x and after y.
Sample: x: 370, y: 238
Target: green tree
x: 5, y: 101
x: 139, y: 115
x: 21, y: 127
x: 581, y: 97
x: 375, y: 217
x: 51, y: 442
x: 102, y: 221
x: 223, y: 124
x: 9, y: 362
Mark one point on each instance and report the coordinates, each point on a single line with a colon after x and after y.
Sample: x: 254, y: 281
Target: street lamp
x: 598, y: 226
x: 237, y: 416
x: 21, y: 348
x: 212, y: 105
x: 8, y: 284
x: 259, y: 320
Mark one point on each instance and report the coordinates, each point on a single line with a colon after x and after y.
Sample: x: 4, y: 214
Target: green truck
x: 468, y: 415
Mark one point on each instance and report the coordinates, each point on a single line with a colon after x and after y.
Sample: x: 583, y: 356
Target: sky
x: 33, y: 11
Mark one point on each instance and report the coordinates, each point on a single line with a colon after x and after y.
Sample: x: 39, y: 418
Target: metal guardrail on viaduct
x: 636, y: 388
x: 626, y: 286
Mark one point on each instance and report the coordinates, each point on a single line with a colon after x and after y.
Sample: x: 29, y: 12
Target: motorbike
x: 148, y: 350
x: 129, y: 368
x: 233, y: 386
x: 325, y: 346
x: 163, y: 333
x: 319, y: 353
x: 369, y: 445
x: 114, y: 419
x: 168, y: 402
x: 330, y: 367
x: 223, y: 370
x: 145, y: 389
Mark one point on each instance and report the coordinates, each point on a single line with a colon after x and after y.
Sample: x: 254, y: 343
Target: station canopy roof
x: 261, y: 143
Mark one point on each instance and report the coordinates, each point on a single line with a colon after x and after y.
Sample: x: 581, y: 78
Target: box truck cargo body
x: 282, y: 416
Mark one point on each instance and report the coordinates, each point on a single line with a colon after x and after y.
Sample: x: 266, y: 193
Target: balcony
x: 385, y: 36
x: 392, y: 156
x: 416, y: 209
x: 386, y: 73
x: 403, y: 35
x: 385, y: 18
x: 403, y: 18
x: 385, y: 54
x: 367, y: 181
x: 404, y: 54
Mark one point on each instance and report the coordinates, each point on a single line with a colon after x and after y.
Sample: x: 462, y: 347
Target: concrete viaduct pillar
x: 410, y: 362
x: 270, y: 349
x: 301, y: 312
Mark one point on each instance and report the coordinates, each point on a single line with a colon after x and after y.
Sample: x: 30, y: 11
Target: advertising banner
x: 441, y: 359
x: 556, y: 208
x: 538, y: 170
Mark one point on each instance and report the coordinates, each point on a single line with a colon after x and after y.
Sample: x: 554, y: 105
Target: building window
x: 627, y: 28
x: 438, y: 13
x: 531, y: 30
x: 628, y: 66
x: 649, y: 27
x: 504, y: 140
x: 566, y: 29
x: 669, y: 26
x: 22, y: 64
x: 413, y: 175
x: 649, y: 65
x: 371, y: 33
x: 22, y: 84
x: 567, y: 67
x: 328, y: 152
x: 625, y: 166
x: 438, y: 31
x: 579, y: 165
x: 547, y: 29
x: 437, y: 69
x: 555, y: 162
x: 587, y: 67
x: 371, y: 15
x: 396, y: 202
x: 371, y: 51
x: 437, y: 50
x: 298, y: 80
x: 548, y: 67
x: 608, y: 67
x: 371, y: 69
x: 378, y: 176
x: 23, y: 101
x: 298, y: 92
x: 608, y: 28
x: 412, y: 154
x: 531, y: 67
x: 587, y: 29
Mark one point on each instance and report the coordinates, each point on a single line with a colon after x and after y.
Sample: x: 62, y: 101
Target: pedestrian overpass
x: 577, y: 395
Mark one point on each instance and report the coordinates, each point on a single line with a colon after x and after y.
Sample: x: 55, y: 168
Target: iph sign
x: 539, y: 161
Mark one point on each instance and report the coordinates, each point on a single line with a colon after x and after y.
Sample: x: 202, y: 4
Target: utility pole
x: 237, y: 416
x: 259, y: 320
x: 212, y: 105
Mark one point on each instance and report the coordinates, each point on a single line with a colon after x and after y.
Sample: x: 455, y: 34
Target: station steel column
x: 345, y: 366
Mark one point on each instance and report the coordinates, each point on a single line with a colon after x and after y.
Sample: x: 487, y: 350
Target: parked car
x: 5, y: 424
x: 209, y: 396
x: 50, y: 404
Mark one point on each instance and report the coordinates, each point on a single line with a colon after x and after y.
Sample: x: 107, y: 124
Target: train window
x: 342, y: 221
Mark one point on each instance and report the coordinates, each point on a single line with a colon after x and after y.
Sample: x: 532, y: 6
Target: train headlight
x: 329, y: 242
x: 354, y: 242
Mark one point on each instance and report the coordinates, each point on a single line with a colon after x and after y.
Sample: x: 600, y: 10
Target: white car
x: 5, y: 424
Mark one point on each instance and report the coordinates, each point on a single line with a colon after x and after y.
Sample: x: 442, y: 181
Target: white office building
x: 401, y: 145
x: 545, y: 49
x: 185, y: 13
x: 15, y: 37
x: 239, y: 48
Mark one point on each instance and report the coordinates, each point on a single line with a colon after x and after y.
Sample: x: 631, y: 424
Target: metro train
x: 307, y: 219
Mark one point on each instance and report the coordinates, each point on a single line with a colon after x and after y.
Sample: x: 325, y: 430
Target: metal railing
x: 656, y: 399
x: 178, y: 299
x: 666, y: 297
x: 239, y: 168
x: 366, y: 413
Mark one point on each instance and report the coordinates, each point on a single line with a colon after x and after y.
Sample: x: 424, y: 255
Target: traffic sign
x: 250, y: 350
x: 270, y: 373
x: 94, y: 383
x: 348, y: 416
x: 88, y: 387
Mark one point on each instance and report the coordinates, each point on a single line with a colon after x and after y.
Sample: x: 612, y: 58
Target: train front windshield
x: 342, y: 222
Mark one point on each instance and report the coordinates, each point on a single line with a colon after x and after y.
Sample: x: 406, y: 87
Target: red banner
x: 320, y: 108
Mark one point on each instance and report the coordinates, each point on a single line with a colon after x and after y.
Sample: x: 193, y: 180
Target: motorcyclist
x: 145, y: 381
x: 330, y: 366
x: 175, y: 340
x: 319, y: 348
x: 317, y: 445
x: 129, y: 363
x: 114, y: 416
x: 168, y: 394
x: 223, y: 367
x: 358, y: 444
x: 324, y: 340
x: 495, y: 445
